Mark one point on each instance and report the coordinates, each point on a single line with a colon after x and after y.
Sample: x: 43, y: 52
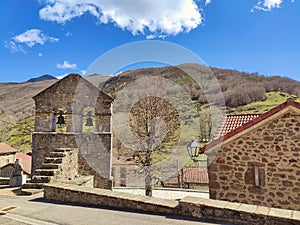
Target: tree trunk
x: 148, y: 182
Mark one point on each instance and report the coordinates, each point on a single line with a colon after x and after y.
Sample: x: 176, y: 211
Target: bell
x: 60, y: 119
x: 89, y: 122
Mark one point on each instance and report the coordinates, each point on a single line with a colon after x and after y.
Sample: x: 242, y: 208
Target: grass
x: 22, y: 135
x: 272, y: 100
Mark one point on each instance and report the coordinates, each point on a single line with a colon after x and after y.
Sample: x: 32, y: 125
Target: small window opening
x: 256, y: 176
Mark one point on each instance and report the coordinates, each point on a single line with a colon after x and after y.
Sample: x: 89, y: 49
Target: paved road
x: 35, y: 211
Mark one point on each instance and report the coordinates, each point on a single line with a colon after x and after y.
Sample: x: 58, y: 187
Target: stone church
x: 72, y: 140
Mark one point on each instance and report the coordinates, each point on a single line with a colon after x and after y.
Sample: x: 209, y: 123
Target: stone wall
x: 260, y: 167
x: 203, y: 209
x: 75, y: 99
x: 73, y: 94
x: 92, y: 158
x: 69, y: 167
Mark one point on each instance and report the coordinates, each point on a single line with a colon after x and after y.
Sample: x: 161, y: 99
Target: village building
x: 23, y: 164
x: 72, y: 140
x: 258, y: 162
x: 7, y: 154
x: 194, y: 177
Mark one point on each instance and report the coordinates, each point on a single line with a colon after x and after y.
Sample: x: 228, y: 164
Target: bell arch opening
x: 88, y: 122
x: 59, y: 120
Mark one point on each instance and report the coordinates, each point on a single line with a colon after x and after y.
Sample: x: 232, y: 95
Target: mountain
x: 41, y: 78
x: 243, y: 92
x: 238, y: 88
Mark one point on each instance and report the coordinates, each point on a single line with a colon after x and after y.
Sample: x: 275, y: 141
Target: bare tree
x: 205, y: 125
x: 153, y: 122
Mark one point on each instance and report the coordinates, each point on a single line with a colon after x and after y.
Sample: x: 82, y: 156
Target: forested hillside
x: 242, y: 88
x: 243, y: 92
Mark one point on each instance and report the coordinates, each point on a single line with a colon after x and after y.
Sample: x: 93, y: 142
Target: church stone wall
x: 93, y: 155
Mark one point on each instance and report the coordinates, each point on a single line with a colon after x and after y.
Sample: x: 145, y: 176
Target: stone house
x: 258, y: 162
x: 72, y: 139
x: 25, y: 162
x: 7, y: 154
x: 22, y: 159
x: 188, y: 177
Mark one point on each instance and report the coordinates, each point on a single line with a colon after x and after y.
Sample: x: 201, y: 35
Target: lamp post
x: 193, y: 150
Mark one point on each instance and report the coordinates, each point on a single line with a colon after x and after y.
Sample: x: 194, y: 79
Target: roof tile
x: 261, y: 117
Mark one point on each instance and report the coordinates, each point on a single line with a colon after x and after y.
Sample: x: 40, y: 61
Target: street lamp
x: 193, y: 150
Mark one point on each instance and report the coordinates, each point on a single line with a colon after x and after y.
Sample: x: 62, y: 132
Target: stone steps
x: 53, y: 160
x: 33, y: 186
x: 62, y: 150
x: 31, y: 191
x: 50, y: 166
x: 57, y: 154
x: 45, y: 172
x: 41, y: 179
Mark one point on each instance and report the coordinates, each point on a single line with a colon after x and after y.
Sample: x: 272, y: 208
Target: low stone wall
x: 106, y: 198
x: 204, y: 209
x: 237, y: 213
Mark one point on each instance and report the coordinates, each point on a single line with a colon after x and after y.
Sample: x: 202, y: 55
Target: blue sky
x: 58, y: 37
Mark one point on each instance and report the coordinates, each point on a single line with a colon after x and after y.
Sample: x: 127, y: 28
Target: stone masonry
x: 65, y: 154
x: 261, y: 166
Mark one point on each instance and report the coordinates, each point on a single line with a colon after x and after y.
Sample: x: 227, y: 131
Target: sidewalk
x: 167, y: 193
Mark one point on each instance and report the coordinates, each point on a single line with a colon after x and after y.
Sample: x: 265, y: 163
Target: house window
x: 255, y: 175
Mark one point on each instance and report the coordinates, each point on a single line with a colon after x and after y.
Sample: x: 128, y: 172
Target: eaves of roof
x: 289, y: 103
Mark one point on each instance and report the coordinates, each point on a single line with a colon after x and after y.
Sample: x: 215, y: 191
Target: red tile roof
x: 232, y: 121
x: 5, y: 148
x: 261, y: 117
x: 25, y: 162
x: 195, y: 174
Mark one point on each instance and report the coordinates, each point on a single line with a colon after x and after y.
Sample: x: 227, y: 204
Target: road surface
x: 34, y: 210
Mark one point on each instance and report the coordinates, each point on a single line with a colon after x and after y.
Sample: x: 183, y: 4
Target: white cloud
x: 207, y: 2
x: 33, y: 37
x: 268, y: 5
x: 40, y: 54
x: 13, y: 47
x: 66, y: 65
x: 68, y: 34
x: 153, y: 17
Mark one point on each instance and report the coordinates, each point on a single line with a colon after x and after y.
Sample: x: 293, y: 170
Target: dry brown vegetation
x: 239, y: 88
